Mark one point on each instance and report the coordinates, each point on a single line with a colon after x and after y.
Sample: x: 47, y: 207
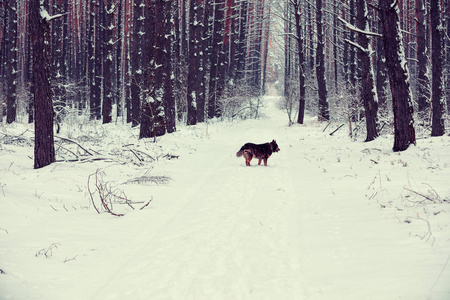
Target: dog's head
x: 274, y: 145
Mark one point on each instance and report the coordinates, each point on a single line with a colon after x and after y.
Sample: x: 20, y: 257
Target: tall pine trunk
x: 301, y: 61
x: 108, y: 44
x: 44, y: 150
x: 423, y: 82
x: 324, y: 113
x: 216, y: 61
x: 11, y: 64
x: 195, y: 58
x: 437, y: 61
x: 404, y: 133
x: 95, y: 61
x: 137, y: 61
x: 368, y: 90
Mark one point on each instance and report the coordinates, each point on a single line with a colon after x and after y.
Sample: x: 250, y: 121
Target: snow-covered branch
x: 356, y: 29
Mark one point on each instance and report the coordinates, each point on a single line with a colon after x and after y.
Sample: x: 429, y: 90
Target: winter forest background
x: 119, y: 124
x: 156, y: 63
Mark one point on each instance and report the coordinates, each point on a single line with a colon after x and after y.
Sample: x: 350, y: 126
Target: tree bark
x: 437, y: 61
x: 216, y: 61
x: 108, y: 56
x: 195, y: 57
x: 11, y: 65
x: 423, y: 82
x: 324, y: 113
x: 95, y: 62
x: 44, y: 150
x: 404, y: 133
x: 301, y: 61
x: 368, y: 90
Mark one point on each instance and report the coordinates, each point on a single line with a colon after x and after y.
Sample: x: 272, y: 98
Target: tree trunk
x: 437, y: 61
x: 108, y: 44
x: 11, y: 65
x: 398, y: 76
x: 382, y: 76
x: 216, y: 61
x: 195, y: 58
x: 301, y: 60
x: 44, y: 150
x: 158, y: 77
x: 324, y: 113
x: 96, y: 63
x: 137, y: 62
x: 242, y: 42
x: 368, y: 90
x: 423, y: 82
x: 150, y: 79
x: 169, y: 62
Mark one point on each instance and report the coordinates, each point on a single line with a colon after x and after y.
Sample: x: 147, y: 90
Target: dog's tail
x: 240, y: 153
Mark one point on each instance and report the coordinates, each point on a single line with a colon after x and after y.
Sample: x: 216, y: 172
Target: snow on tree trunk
x: 437, y: 61
x: 423, y: 81
x: 404, y: 133
x: 216, y: 60
x: 301, y: 61
x: 137, y: 61
x: 382, y: 76
x: 324, y: 113
x: 241, y: 43
x: 95, y: 62
x: 11, y: 56
x: 368, y: 90
x: 108, y: 57
x: 44, y: 150
x: 169, y: 63
x: 195, y: 58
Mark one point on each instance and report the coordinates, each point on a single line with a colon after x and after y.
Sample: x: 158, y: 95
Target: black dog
x: 260, y: 151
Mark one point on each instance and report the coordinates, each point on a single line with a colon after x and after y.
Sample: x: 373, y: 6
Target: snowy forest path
x: 296, y: 229
x: 234, y: 233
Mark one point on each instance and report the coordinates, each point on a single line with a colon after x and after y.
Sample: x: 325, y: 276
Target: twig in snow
x: 48, y: 253
x: 428, y: 234
x: 69, y: 259
x: 421, y: 195
x: 70, y: 141
x: 147, y: 203
x: 337, y: 129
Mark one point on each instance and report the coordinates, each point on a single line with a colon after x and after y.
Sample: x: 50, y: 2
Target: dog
x: 259, y: 151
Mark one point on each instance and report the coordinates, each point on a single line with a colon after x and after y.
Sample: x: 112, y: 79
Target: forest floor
x: 328, y: 218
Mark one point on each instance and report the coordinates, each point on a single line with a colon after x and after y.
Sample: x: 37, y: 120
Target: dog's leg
x: 265, y: 161
x: 259, y: 162
x: 248, y: 157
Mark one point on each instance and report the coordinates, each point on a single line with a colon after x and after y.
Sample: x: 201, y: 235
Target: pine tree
x: 324, y: 113
x: 11, y: 65
x: 44, y: 150
x: 423, y: 82
x: 368, y: 90
x: 404, y: 133
x: 196, y: 52
x: 437, y: 61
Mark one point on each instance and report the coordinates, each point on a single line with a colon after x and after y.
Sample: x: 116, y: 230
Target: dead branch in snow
x: 103, y: 191
x: 109, y: 195
x: 47, y: 252
x: 337, y: 129
x: 73, y: 142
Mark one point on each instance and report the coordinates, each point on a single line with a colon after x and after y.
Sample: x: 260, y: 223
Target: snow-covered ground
x: 328, y: 218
